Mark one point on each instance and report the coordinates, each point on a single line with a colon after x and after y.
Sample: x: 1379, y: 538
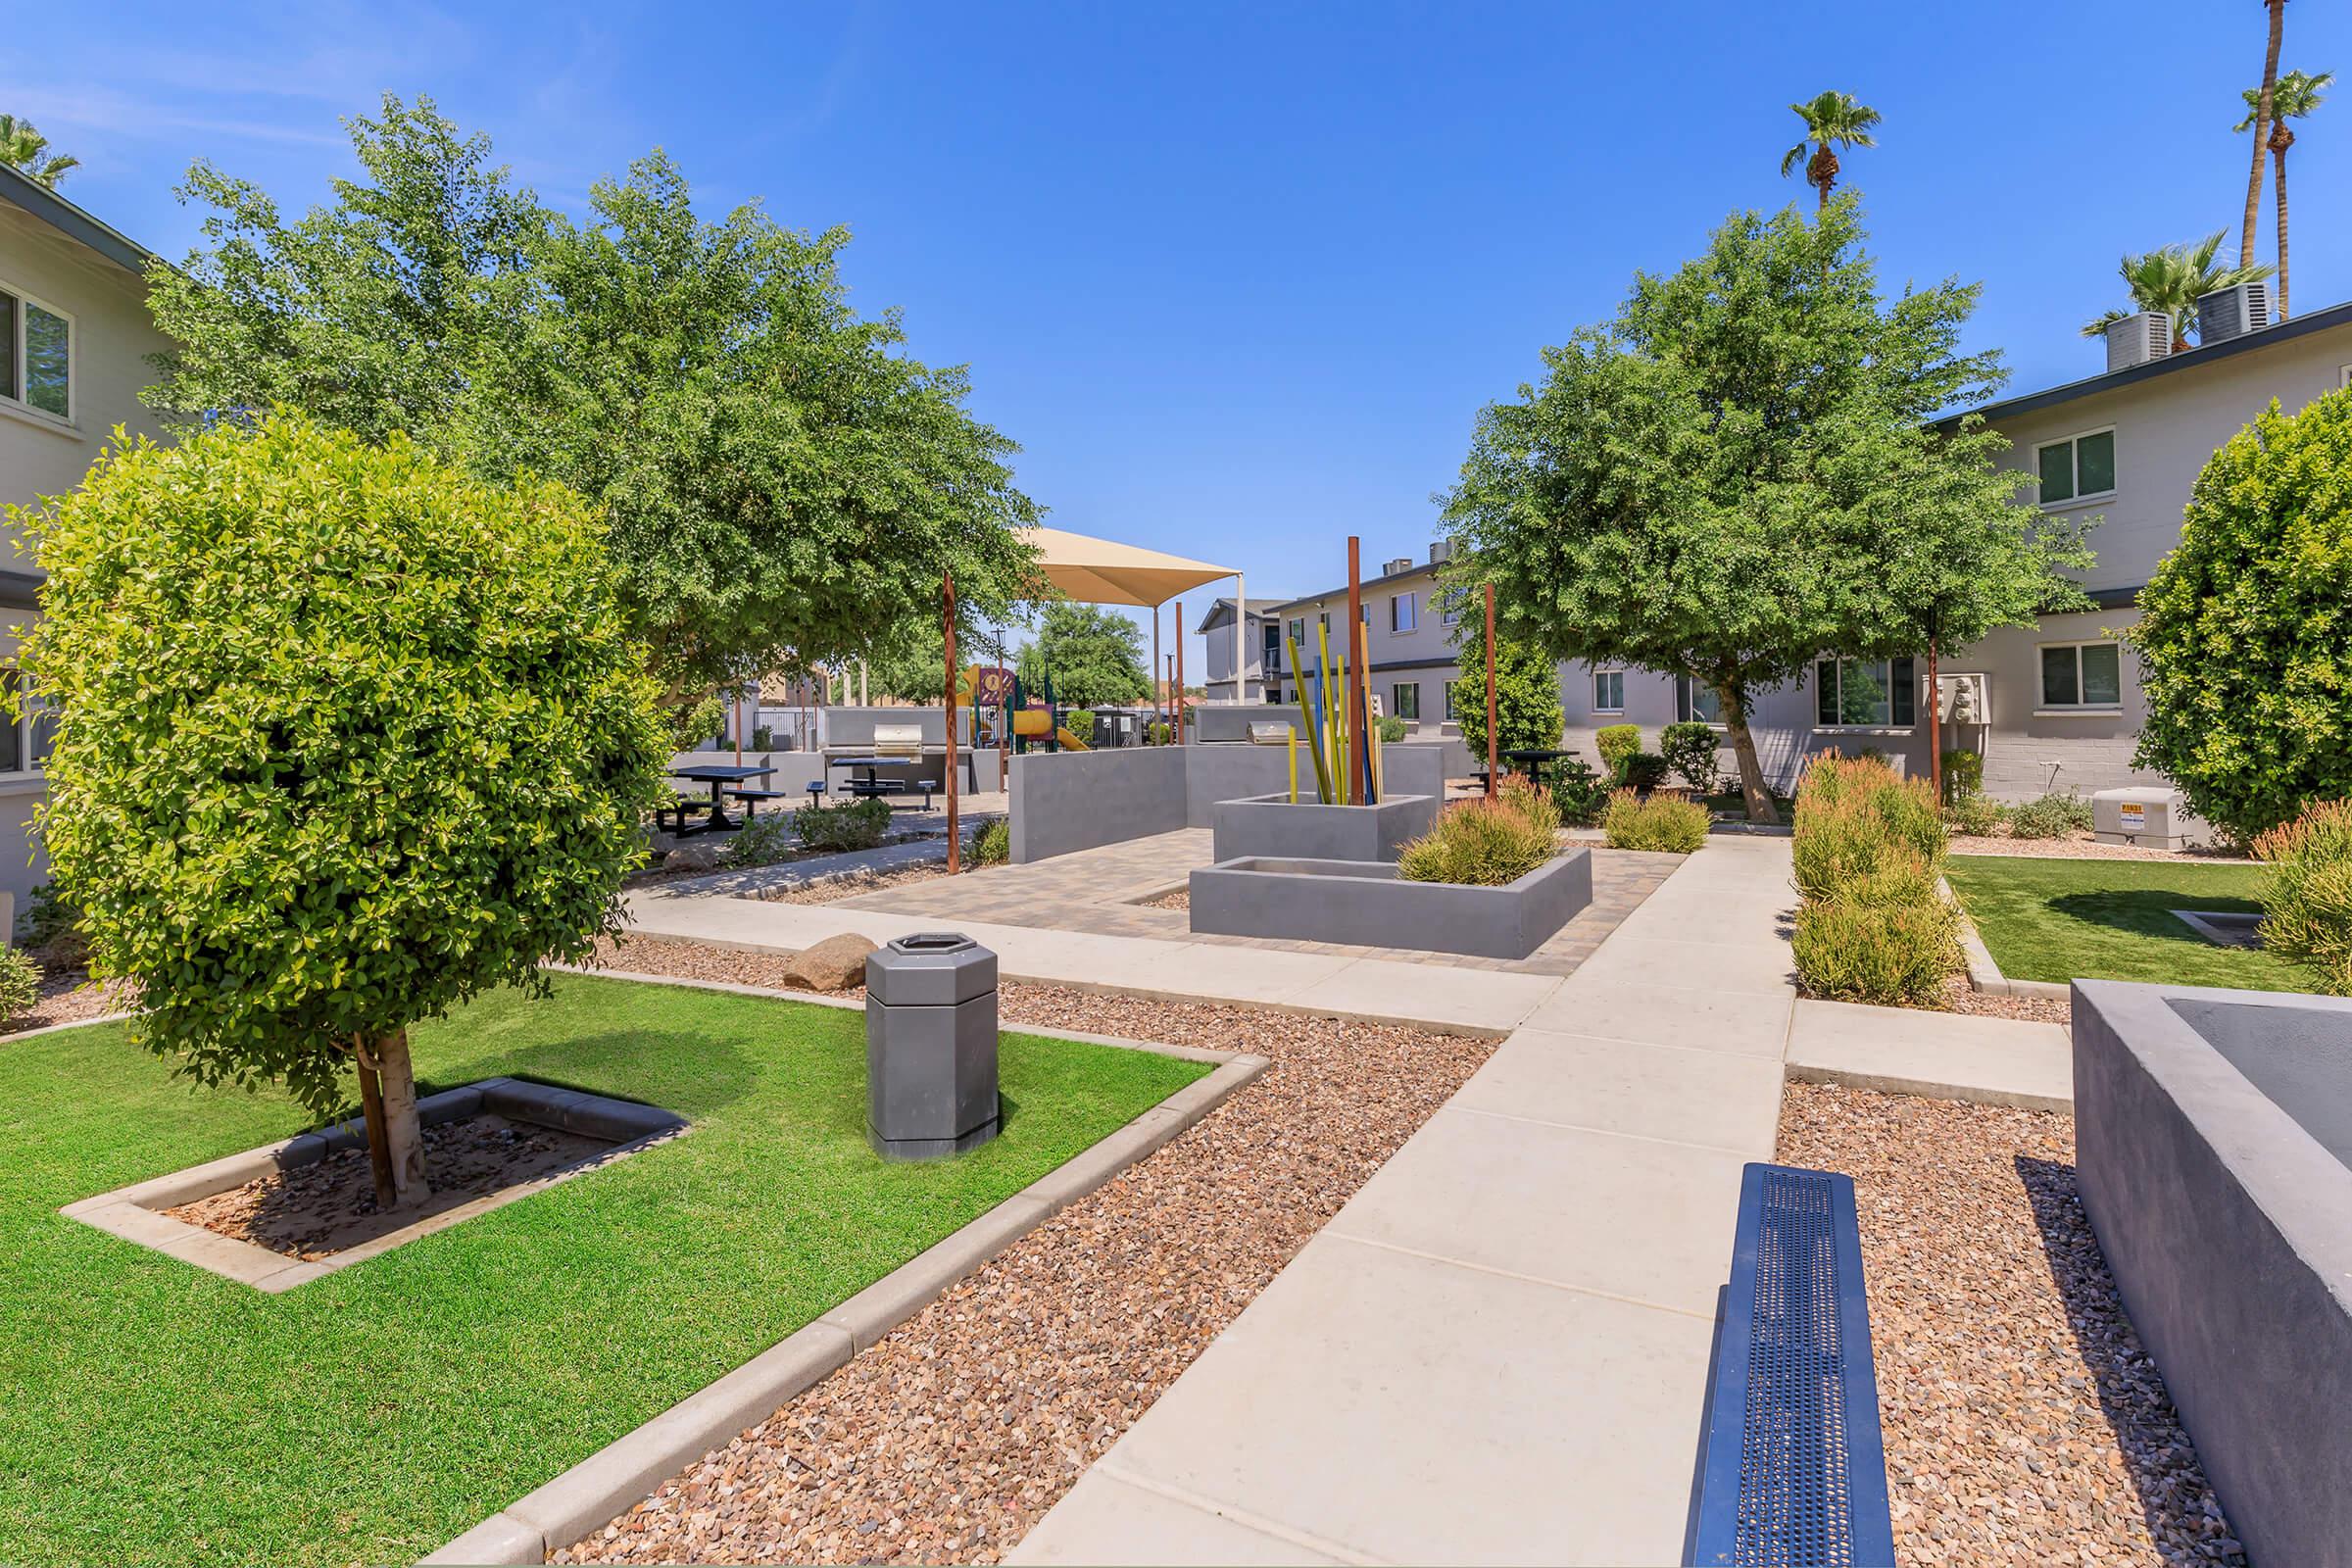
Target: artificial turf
x: 2065, y: 919
x: 153, y: 1412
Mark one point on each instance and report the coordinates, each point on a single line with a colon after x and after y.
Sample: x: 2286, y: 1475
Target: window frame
x: 1686, y: 705
x: 1410, y: 621
x: 1396, y: 701
x: 18, y: 402
x: 1450, y: 599
x: 2044, y: 708
x: 28, y: 730
x: 2073, y: 444
x: 1602, y: 673
x: 1892, y: 724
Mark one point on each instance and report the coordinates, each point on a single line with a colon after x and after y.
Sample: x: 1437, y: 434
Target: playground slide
x: 1069, y: 742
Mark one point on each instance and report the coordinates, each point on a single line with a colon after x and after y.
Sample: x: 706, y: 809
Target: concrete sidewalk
x: 1497, y: 1350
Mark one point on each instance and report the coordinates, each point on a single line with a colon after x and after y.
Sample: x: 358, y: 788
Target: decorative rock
x: 833, y: 964
x: 695, y: 858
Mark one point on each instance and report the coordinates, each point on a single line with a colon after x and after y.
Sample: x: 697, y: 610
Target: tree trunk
x: 1822, y: 171
x: 1743, y: 747
x: 2262, y: 131
x: 1935, y: 727
x: 371, y: 1111
x: 2280, y: 140
x: 392, y: 1122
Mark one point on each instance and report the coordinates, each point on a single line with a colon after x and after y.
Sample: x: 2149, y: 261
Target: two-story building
x: 74, y: 338
x: 1260, y: 647
x: 1412, y: 625
x: 2057, y: 705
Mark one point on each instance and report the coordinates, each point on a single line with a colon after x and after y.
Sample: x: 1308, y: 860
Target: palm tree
x: 2262, y: 126
x: 2294, y: 96
x: 2170, y: 278
x: 27, y: 150
x: 1833, y: 121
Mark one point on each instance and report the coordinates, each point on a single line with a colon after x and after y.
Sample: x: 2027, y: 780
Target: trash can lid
x: 929, y: 969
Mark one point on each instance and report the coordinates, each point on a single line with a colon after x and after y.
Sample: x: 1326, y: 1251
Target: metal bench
x: 678, y: 807
x: 1792, y: 1471
x: 756, y: 795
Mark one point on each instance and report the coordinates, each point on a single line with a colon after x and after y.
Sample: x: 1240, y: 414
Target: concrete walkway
x: 1497, y: 1350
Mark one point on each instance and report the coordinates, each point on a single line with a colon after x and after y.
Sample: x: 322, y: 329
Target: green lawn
x: 2057, y: 920
x: 154, y: 1412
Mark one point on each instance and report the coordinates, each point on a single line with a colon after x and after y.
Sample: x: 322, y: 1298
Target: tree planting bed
x: 158, y: 1412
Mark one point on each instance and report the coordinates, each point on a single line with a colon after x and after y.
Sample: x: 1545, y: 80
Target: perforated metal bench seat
x: 1793, y: 1473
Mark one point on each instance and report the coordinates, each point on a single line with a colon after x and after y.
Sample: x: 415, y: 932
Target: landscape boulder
x: 834, y: 964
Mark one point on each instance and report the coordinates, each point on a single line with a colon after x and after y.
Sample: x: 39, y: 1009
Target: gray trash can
x: 930, y: 1045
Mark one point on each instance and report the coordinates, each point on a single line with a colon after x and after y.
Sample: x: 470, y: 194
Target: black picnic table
x: 718, y: 777
x: 871, y: 784
x: 1529, y: 756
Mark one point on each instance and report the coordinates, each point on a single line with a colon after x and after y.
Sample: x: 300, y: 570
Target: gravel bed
x: 2079, y: 846
x: 2024, y: 1421
x: 849, y: 884
x: 1959, y: 997
x: 70, y: 996
x: 949, y: 1439
x: 1181, y: 899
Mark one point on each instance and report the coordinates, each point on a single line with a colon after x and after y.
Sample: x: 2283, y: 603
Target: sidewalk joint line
x: 1202, y: 1503
x: 1606, y: 1132
x: 1331, y: 1229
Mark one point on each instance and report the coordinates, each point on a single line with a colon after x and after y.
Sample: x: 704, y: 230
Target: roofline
x: 59, y: 214
x: 1341, y: 592
x: 2333, y: 316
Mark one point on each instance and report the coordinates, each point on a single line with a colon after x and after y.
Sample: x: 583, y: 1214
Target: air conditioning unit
x: 1963, y: 699
x: 2228, y: 313
x: 1393, y: 568
x: 1443, y: 550
x: 2138, y: 339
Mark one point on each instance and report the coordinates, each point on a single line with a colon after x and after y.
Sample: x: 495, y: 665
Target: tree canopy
x: 785, y: 484
x: 1094, y: 657
x: 1527, y: 693
x: 1744, y: 469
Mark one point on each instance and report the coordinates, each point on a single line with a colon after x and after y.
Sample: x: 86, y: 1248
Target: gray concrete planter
x: 1365, y: 904
x: 2213, y: 1139
x: 1270, y: 826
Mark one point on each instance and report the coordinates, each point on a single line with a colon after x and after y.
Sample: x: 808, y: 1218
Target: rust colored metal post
x: 1935, y: 727
x: 1355, y: 677
x: 1493, y: 748
x: 947, y: 626
x: 1179, y: 692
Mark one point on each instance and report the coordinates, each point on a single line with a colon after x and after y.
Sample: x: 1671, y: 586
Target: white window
x: 1863, y: 693
x: 2080, y: 468
x: 36, y: 354
x: 1449, y: 601
x: 1403, y: 611
x: 2083, y: 676
x: 1452, y: 697
x: 1609, y: 691
x: 1695, y: 703
x: 1407, y: 702
x: 25, y: 742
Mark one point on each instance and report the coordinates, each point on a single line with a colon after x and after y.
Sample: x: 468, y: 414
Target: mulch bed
x: 1959, y: 997
x: 849, y: 884
x: 947, y: 1441
x: 1181, y: 899
x: 70, y: 996
x: 2024, y: 1421
x: 2078, y: 846
x: 314, y: 1211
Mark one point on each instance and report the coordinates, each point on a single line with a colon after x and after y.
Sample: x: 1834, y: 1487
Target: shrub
x: 53, y: 929
x: 848, y: 825
x: 1392, y: 729
x: 763, y: 738
x: 1527, y: 693
x: 763, y: 841
x: 1675, y: 826
x: 2307, y: 908
x: 1855, y: 818
x: 2245, y: 651
x: 692, y: 727
x: 1693, y: 750
x: 1616, y: 743
x: 1973, y: 814
x: 990, y: 843
x: 1578, y: 793
x: 345, y: 737
x: 1485, y: 843
x: 20, y: 983
x: 1642, y: 770
x: 1881, y: 942
x: 2053, y: 817
x: 1963, y: 774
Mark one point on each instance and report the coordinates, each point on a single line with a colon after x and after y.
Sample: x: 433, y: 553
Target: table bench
x: 1792, y: 1470
x: 678, y: 809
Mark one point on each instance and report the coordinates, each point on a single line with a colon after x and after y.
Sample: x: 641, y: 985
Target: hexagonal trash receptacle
x: 930, y: 1045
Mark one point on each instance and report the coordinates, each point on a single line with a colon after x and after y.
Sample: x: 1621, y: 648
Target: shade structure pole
x: 1356, y: 687
x: 948, y: 630
x: 1160, y: 687
x: 1240, y: 615
x: 1492, y: 749
x: 1178, y: 695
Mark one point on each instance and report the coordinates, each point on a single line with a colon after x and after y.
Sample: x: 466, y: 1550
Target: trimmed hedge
x: 1661, y: 823
x: 2307, y: 909
x: 1486, y: 843
x: 1854, y: 818
x: 850, y: 825
x: 1616, y: 743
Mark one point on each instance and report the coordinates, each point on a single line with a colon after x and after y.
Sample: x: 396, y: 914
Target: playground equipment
x: 1038, y: 725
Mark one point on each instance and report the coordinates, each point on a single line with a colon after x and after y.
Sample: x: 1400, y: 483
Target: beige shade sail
x: 1102, y: 571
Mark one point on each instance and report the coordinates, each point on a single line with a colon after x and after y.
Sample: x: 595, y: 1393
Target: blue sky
x: 1238, y: 277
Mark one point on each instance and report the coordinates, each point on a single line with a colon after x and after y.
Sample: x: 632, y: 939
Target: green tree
x: 1740, y: 471
x: 345, y: 737
x: 1527, y: 693
x: 26, y: 150
x: 1833, y: 120
x: 2169, y: 281
x: 2245, y: 631
x: 1095, y: 655
x: 2292, y: 97
x: 781, y: 477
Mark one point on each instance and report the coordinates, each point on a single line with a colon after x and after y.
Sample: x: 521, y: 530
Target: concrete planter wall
x: 1270, y: 826
x: 2213, y: 1130
x: 1365, y: 904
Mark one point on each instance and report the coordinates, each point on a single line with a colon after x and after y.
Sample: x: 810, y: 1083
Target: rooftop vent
x: 2228, y: 313
x: 1441, y: 552
x: 2138, y: 339
x: 1400, y: 563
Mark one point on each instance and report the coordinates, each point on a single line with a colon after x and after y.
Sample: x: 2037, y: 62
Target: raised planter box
x: 1365, y: 904
x: 2213, y: 1137
x: 1270, y: 826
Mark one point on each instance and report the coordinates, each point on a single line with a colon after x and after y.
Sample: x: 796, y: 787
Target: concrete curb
x: 606, y: 1482
x: 1983, y: 974
x: 1885, y: 1083
x: 78, y: 1023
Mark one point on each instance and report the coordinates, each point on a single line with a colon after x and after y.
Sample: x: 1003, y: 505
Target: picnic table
x: 1530, y: 758
x: 718, y: 775
x: 873, y: 785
